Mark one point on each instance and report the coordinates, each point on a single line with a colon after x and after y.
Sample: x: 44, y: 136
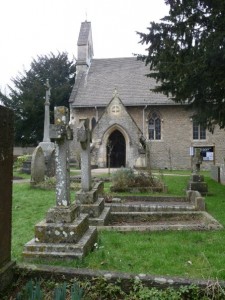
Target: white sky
x: 37, y: 27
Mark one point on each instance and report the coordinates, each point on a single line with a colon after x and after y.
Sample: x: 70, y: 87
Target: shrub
x: 124, y: 179
x: 19, y: 161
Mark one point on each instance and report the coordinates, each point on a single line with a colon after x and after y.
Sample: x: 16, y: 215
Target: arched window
x: 154, y: 127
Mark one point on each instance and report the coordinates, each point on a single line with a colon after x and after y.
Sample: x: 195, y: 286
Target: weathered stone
x: 50, y: 164
x: 63, y: 214
x: 61, y: 251
x: 197, y: 178
x: 37, y: 166
x: 61, y: 232
x: 60, y: 133
x: 99, y: 186
x: 197, y: 182
x: 84, y: 137
x: 65, y: 234
x: 86, y: 197
x: 197, y: 161
x: 195, y: 198
x: 94, y: 209
x: 201, y: 187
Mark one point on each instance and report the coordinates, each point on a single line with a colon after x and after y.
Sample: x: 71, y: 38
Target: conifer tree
x: 27, y: 95
x: 186, y: 55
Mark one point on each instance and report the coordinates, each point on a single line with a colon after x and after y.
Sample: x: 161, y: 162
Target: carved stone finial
x: 115, y: 93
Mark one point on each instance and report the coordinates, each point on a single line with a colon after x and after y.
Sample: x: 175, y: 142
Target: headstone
x: 37, y: 166
x: 65, y: 234
x: 6, y: 175
x: 50, y: 165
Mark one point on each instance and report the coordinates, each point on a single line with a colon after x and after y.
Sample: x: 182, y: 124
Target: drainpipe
x: 96, y: 113
x: 143, y: 130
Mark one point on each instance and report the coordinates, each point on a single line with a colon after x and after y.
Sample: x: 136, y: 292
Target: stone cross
x: 197, y: 161
x: 84, y: 137
x: 47, y: 117
x: 61, y: 133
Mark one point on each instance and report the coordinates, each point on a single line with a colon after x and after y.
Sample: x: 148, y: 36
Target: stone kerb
x: 196, y: 198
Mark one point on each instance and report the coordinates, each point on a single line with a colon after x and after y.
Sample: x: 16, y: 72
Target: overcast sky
x: 37, y: 27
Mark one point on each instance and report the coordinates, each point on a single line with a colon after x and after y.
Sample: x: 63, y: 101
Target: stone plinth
x: 65, y: 234
x: 63, y: 214
x: 61, y: 233
x: 197, y: 183
x: 64, y: 251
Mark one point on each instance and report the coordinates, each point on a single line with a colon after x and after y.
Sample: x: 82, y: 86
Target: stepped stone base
x: 61, y: 232
x: 102, y: 219
x: 197, y: 183
x: 63, y: 251
x: 64, y: 234
x: 88, y: 197
x: 97, y: 212
x: 63, y: 214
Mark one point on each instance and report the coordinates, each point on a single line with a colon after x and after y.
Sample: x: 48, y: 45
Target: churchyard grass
x: 181, y: 253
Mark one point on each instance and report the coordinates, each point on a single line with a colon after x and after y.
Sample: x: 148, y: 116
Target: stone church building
x: 126, y: 117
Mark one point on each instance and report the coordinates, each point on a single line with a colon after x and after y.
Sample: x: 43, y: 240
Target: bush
x: 124, y: 179
x: 20, y: 160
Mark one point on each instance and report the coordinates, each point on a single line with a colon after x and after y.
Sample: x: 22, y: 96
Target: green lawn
x: 181, y: 253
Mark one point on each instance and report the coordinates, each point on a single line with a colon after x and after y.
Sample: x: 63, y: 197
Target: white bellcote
x: 85, y: 45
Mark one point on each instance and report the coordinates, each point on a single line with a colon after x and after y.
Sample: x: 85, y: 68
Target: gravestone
x: 37, y: 166
x: 50, y: 165
x: 65, y: 234
x: 6, y: 175
x: 197, y: 182
x: 87, y: 197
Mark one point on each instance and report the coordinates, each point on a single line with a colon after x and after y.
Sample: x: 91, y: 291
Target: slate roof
x: 127, y: 75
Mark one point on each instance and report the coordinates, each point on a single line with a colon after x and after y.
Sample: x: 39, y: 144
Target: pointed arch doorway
x: 116, y: 150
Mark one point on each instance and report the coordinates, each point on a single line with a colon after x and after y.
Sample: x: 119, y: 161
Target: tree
x: 27, y: 96
x: 186, y: 55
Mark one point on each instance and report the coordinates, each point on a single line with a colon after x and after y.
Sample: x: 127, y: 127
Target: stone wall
x: 173, y: 150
